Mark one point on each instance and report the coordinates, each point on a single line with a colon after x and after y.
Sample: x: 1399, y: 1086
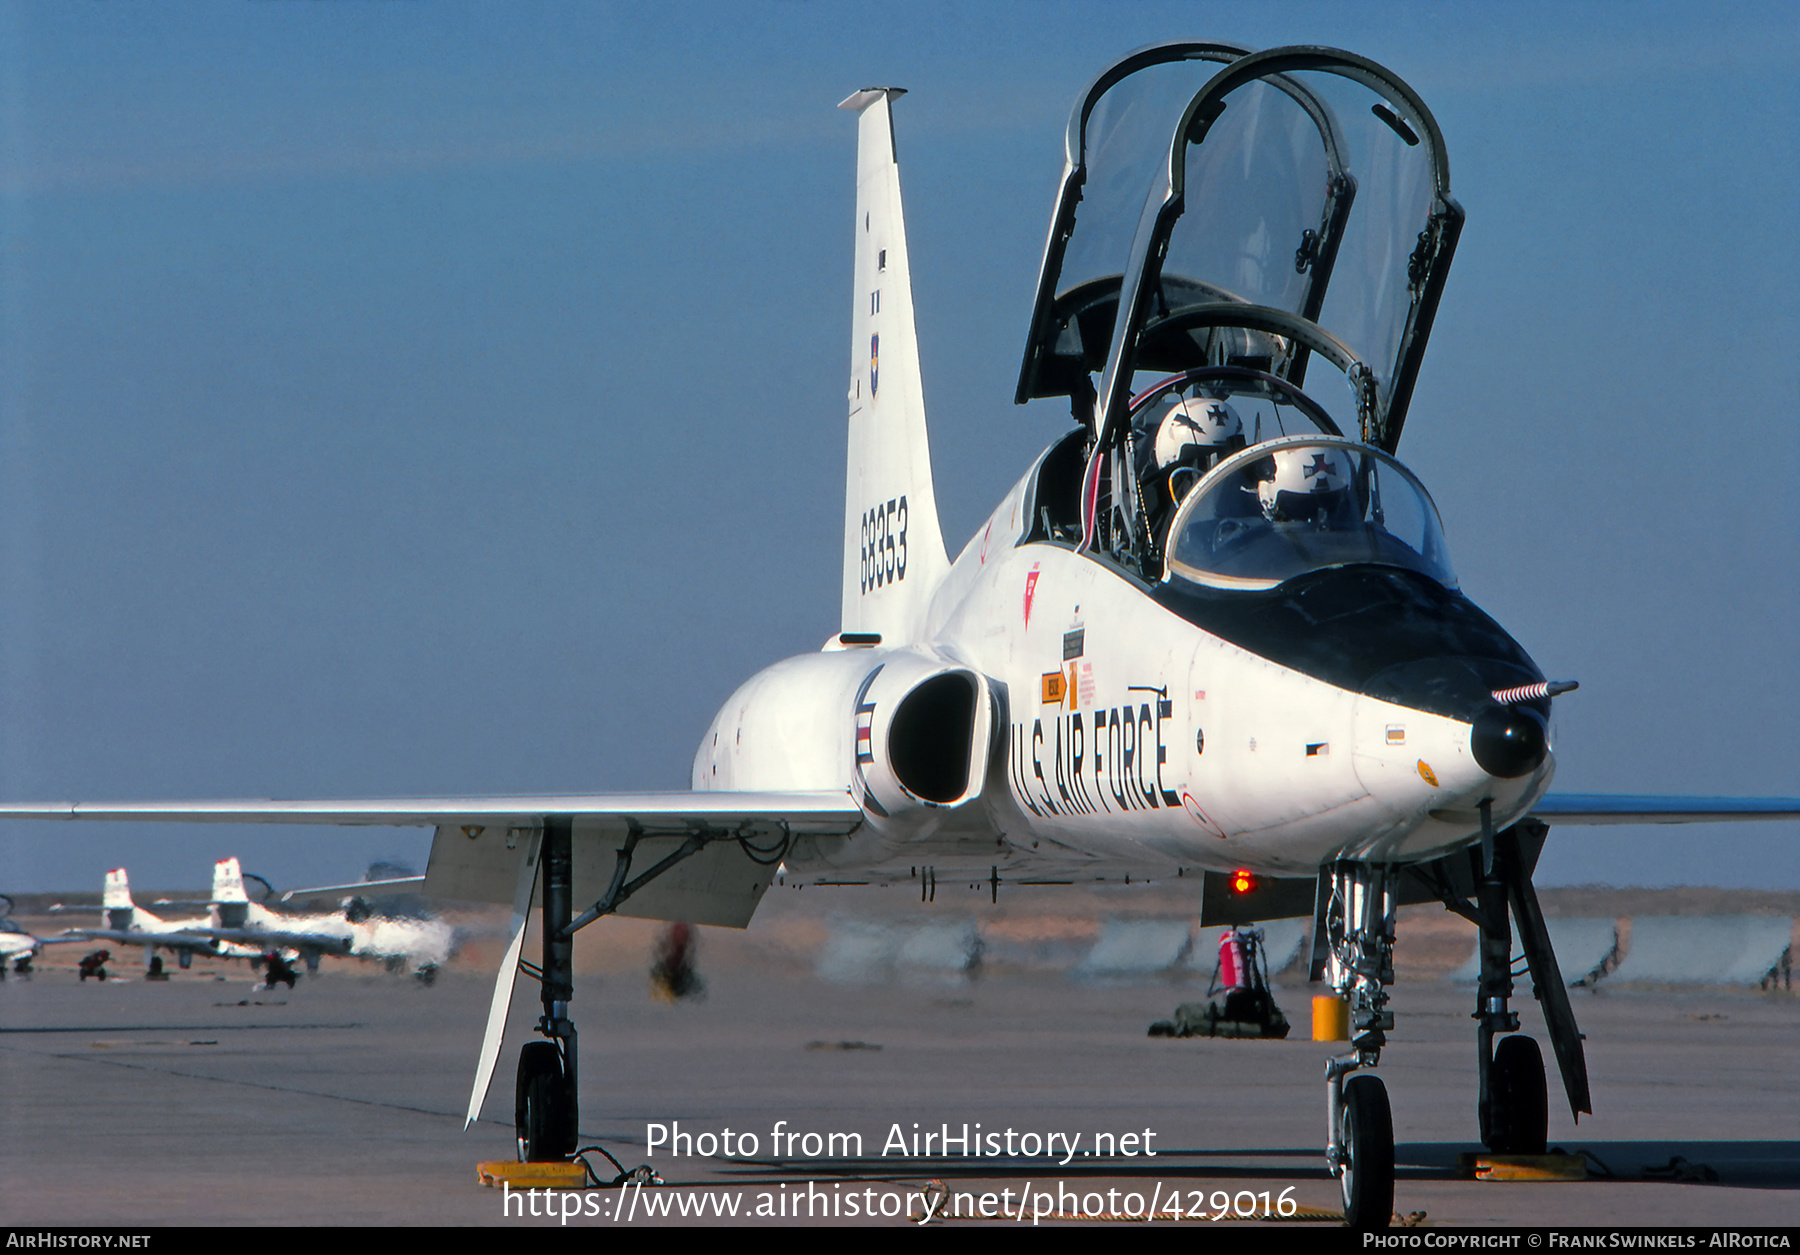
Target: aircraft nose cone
x: 1509, y: 741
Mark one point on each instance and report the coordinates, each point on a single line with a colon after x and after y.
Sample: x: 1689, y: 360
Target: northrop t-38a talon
x: 1215, y: 627
x: 236, y: 924
x: 124, y: 923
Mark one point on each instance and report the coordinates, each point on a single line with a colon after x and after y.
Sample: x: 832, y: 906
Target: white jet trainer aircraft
x: 124, y: 923
x: 419, y: 945
x: 17, y: 947
x: 1214, y: 628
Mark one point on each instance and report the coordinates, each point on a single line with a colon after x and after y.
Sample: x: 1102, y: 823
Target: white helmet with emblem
x: 1195, y: 431
x: 1296, y: 485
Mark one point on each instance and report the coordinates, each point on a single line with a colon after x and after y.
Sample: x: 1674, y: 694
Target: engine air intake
x: 931, y: 736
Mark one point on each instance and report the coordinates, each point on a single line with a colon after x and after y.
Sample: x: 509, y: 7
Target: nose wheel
x: 1366, y: 1151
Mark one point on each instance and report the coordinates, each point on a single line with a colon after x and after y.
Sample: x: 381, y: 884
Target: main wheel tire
x: 1519, y: 1116
x: 541, y: 1105
x: 1367, y: 1141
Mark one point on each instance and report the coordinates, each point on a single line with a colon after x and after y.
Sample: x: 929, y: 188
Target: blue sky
x: 405, y: 399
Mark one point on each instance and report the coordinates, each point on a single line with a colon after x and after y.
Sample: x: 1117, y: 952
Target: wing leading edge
x: 825, y: 812
x: 1628, y: 808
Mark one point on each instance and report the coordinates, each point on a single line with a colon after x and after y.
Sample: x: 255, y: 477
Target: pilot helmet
x: 1303, y: 485
x: 1195, y: 434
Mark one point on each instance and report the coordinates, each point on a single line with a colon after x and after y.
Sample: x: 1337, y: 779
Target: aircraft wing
x: 477, y: 850
x: 124, y: 937
x: 822, y: 811
x: 277, y: 939
x: 1627, y: 808
x: 359, y: 886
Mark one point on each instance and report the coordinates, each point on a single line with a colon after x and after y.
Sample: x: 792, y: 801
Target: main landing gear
x: 546, y: 1107
x: 1513, y: 1105
x: 546, y: 1111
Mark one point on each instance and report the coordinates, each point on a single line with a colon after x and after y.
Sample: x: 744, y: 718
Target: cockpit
x: 1182, y: 427
x: 1231, y: 221
x: 1246, y: 483
x: 1293, y: 506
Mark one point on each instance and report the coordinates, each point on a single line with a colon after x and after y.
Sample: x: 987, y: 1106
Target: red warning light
x: 1242, y: 881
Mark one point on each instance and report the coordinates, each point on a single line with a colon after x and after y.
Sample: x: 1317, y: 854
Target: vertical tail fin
x: 231, y: 908
x: 116, y: 908
x: 894, y: 555
x: 228, y: 881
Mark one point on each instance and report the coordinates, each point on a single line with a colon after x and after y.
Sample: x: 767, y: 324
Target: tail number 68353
x: 884, y: 544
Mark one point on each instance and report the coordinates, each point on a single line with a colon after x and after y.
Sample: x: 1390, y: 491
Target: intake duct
x: 929, y: 739
x: 924, y: 731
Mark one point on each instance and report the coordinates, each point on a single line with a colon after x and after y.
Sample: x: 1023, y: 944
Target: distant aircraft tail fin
x: 894, y: 555
x: 116, y: 907
x: 231, y: 904
x: 228, y: 881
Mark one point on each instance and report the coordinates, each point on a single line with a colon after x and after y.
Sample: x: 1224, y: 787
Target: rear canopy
x: 1244, y: 208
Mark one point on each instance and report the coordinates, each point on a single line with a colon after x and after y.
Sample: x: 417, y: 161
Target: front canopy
x: 1286, y: 507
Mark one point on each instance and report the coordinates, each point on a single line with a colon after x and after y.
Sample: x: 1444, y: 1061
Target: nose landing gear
x: 1353, y: 949
x: 1353, y: 944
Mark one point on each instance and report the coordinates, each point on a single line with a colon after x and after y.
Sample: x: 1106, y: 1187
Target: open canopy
x: 1250, y: 209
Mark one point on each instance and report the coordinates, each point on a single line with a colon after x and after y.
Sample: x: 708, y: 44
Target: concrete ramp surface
x: 859, y: 952
x: 946, y: 950
x: 1137, y: 947
x: 1704, y: 949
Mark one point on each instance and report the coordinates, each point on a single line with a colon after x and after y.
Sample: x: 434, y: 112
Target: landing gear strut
x: 1512, y: 1106
x: 546, y: 1108
x: 1490, y: 886
x: 1353, y: 949
x: 546, y: 1112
